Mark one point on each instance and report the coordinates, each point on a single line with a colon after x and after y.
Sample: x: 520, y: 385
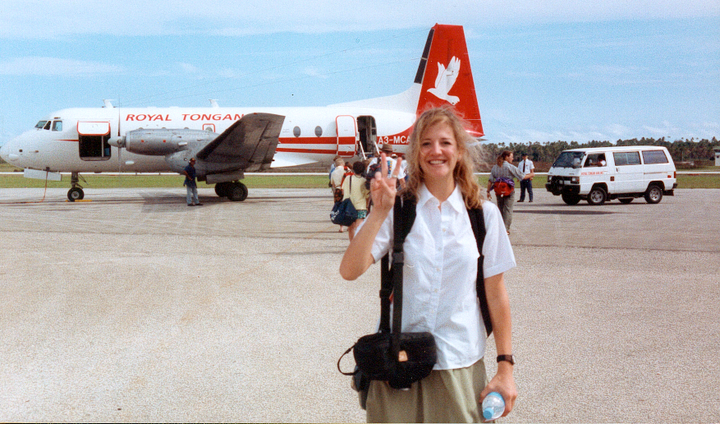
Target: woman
x: 354, y: 189
x: 439, y: 276
x: 505, y: 169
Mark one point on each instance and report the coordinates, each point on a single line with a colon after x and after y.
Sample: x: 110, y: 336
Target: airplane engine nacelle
x: 161, y: 142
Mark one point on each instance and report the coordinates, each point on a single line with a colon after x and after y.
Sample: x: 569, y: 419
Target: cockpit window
x: 47, y: 125
x: 41, y: 124
x: 57, y: 126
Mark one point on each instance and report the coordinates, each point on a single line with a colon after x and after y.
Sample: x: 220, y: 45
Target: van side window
x: 597, y: 159
x: 654, y: 156
x: 626, y: 158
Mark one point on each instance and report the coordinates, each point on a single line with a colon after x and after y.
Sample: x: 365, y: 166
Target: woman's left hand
x: 503, y: 383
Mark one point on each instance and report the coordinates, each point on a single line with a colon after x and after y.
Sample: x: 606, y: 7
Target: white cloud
x: 314, y: 72
x: 50, y: 66
x: 21, y: 18
x: 188, y: 68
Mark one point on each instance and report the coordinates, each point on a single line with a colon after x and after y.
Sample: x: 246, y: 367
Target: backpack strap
x: 404, y: 218
x: 477, y: 221
x: 391, y: 275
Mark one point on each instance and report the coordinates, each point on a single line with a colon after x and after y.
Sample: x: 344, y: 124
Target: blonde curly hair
x: 470, y: 154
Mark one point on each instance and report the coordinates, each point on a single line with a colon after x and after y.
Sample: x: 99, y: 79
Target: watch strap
x: 508, y: 358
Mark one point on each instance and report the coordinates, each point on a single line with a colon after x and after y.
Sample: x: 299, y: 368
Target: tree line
x: 685, y: 153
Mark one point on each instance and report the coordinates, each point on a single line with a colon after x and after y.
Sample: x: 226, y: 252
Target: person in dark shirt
x: 190, y: 184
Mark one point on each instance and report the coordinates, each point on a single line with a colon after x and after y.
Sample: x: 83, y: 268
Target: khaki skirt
x: 443, y: 396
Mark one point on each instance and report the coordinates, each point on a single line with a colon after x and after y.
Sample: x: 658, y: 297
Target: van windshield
x: 569, y: 160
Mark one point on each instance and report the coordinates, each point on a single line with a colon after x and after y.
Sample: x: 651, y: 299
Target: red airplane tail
x: 446, y: 78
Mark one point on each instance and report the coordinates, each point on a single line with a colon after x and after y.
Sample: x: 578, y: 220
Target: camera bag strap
x: 406, y: 215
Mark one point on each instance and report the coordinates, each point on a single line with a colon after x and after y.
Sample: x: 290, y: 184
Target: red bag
x: 504, y: 186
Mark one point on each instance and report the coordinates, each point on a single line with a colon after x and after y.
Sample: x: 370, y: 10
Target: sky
x: 544, y: 71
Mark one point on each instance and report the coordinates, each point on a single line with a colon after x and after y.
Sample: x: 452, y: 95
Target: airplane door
x: 346, y: 135
x: 93, y: 139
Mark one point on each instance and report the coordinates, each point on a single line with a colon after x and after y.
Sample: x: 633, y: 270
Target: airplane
x: 227, y: 142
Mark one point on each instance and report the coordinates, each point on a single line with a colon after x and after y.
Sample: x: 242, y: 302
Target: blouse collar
x: 455, y: 200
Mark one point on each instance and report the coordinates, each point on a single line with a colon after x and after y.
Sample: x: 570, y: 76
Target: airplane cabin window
x: 40, y: 125
x: 57, y: 126
x: 318, y: 131
x: 296, y: 131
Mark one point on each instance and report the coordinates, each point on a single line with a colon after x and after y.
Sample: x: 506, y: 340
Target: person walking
x: 190, y: 184
x: 501, y: 175
x: 354, y: 189
x: 439, y: 284
x: 336, y: 179
x: 526, y: 166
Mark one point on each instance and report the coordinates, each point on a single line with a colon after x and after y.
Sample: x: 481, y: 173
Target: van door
x: 596, y: 170
x: 346, y: 135
x: 628, y: 172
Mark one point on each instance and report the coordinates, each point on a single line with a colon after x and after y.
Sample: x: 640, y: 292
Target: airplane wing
x: 249, y: 143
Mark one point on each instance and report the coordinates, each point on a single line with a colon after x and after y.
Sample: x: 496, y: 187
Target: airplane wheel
x: 75, y: 193
x: 237, y: 192
x: 221, y: 189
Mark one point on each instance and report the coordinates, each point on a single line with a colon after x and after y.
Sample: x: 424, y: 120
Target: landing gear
x: 221, y: 189
x: 76, y: 192
x: 235, y: 191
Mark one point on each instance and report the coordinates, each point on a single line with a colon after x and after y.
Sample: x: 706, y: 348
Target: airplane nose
x: 6, y: 152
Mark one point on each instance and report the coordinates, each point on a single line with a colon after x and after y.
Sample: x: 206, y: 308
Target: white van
x: 604, y: 173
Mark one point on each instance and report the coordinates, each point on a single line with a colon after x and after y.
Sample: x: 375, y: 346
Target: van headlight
x: 575, y: 180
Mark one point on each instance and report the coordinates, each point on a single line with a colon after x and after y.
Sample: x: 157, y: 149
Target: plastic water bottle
x: 493, y: 406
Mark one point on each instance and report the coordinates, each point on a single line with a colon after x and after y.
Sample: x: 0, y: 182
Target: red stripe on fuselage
x: 313, y: 151
x: 309, y: 140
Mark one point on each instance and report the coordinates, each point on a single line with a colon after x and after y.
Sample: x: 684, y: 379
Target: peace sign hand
x: 383, y: 189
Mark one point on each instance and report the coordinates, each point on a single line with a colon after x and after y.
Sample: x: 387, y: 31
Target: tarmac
x: 133, y: 307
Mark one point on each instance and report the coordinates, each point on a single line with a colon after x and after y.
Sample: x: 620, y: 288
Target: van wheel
x: 626, y: 200
x: 597, y: 196
x: 570, y: 199
x: 653, y: 194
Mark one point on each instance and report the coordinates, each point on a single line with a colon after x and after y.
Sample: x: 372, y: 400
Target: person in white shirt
x: 441, y: 258
x: 526, y: 166
x: 354, y: 189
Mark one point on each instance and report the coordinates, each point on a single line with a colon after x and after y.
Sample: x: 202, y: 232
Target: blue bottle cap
x: 488, y: 413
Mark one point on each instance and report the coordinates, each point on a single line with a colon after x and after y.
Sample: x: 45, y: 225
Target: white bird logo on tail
x: 445, y: 80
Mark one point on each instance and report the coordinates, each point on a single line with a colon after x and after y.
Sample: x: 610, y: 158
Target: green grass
x: 263, y: 181
x: 139, y: 181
